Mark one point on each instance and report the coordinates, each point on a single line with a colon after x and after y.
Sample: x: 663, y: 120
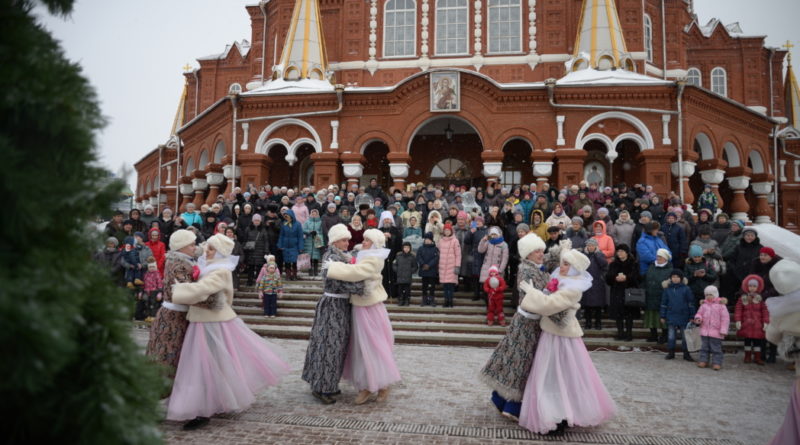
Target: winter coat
x: 708, y: 200
x: 428, y: 260
x: 242, y: 225
x: 258, y: 235
x: 741, y: 259
x: 495, y: 293
x: 677, y: 303
x: 729, y: 245
x: 562, y: 301
x: 405, y: 265
x: 462, y: 235
x: 436, y: 228
x: 646, y: 250
x: 714, y: 318
x: 752, y: 312
x: 356, y: 236
x: 708, y: 244
x: 595, y: 296
x: 408, y: 214
x: 554, y: 220
x: 494, y: 254
x: 328, y: 220
x: 158, y: 249
x: 676, y: 241
x: 653, y: 288
x: 369, y: 271
x: 541, y: 229
x: 623, y: 232
x: 526, y: 206
x: 312, y: 229
x: 719, y: 232
x: 395, y: 241
x: 699, y: 284
x: 474, y: 240
x: 111, y: 259
x: 216, y: 285
x: 166, y: 228
x: 605, y: 243
x: 147, y: 220
x: 290, y: 240
x: 449, y: 259
x: 301, y: 212
x: 630, y: 269
x: 191, y: 219
x: 762, y: 270
x: 578, y: 238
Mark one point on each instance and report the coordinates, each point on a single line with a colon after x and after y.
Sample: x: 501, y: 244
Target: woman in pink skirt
x: 563, y: 388
x: 223, y: 364
x: 370, y: 364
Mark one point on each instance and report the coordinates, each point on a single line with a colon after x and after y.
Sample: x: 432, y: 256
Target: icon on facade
x: 445, y: 91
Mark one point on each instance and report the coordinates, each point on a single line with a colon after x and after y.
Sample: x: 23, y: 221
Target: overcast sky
x: 133, y: 53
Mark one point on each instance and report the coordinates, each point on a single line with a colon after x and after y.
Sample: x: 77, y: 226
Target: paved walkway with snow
x: 440, y: 401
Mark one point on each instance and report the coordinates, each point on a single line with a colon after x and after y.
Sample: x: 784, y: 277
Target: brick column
x: 762, y: 187
x: 199, y: 185
x: 570, y: 166
x: 739, y: 180
x: 326, y: 169
x: 654, y: 169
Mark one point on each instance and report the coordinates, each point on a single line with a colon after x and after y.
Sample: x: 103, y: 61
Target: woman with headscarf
x: 256, y: 245
x: 356, y: 229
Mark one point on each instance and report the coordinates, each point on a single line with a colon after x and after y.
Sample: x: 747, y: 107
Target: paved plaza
x: 440, y: 401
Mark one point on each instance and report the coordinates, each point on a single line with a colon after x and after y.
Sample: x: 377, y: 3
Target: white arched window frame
x: 452, y: 19
x: 719, y: 81
x: 203, y: 160
x: 694, y: 77
x: 400, y: 28
x: 648, y: 37
x: 189, y: 166
x: 219, y: 152
x: 505, y: 26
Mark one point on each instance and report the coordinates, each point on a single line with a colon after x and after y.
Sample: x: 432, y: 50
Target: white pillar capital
x: 713, y: 177
x: 228, y: 169
x: 245, y: 136
x: 739, y: 183
x: 665, y: 119
x: 186, y: 189
x: 560, y: 123
x: 399, y: 171
x: 542, y: 168
x: 687, y: 169
x: 492, y: 169
x: 335, y: 135
x: 199, y: 184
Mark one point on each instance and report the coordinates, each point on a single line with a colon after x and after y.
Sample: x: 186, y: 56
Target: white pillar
x: 245, y: 136
x: 335, y: 136
x: 665, y: 118
x: 560, y: 122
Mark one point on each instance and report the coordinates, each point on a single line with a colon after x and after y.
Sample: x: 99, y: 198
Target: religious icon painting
x: 445, y: 91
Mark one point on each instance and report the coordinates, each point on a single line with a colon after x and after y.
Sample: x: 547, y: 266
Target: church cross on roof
x: 600, y: 43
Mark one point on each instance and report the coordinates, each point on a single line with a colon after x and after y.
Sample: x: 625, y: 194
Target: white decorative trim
x: 783, y: 171
x: 199, y: 184
x: 542, y: 169
x: 478, y: 19
x: 713, y: 177
x: 560, y: 123
x: 492, y: 169
x: 373, y: 36
x: 245, y: 136
x: 665, y: 118
x: 612, y: 144
x: 335, y: 135
x: 633, y: 120
x: 739, y: 183
x: 226, y: 171
x: 423, y: 62
x: 761, y: 188
x: 399, y: 171
x: 532, y: 28
x: 186, y: 189
x: 796, y: 171
x: 291, y: 149
x: 263, y: 148
x: 424, y: 35
x: 688, y: 169
x: 214, y: 178
x: 354, y: 170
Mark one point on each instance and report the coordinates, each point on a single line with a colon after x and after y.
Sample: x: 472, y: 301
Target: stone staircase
x: 462, y: 325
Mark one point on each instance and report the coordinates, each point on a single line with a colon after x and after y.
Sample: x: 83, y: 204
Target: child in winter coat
x: 153, y: 289
x: 713, y: 319
x: 699, y: 272
x: 677, y: 307
x: 428, y: 261
x: 132, y: 263
x: 405, y: 265
x: 449, y: 262
x: 494, y: 286
x: 270, y: 286
x: 752, y: 317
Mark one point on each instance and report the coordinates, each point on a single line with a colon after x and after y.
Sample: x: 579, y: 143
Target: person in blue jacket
x: 428, y: 262
x: 291, y: 244
x: 677, y: 308
x: 648, y: 245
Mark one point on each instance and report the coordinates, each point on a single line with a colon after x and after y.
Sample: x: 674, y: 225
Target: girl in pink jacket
x: 449, y: 262
x: 713, y: 319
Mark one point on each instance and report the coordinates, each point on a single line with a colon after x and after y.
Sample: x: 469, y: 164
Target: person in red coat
x: 752, y: 317
x: 494, y: 286
x: 158, y: 248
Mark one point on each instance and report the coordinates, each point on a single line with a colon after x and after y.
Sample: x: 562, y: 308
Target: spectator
x: 713, y: 319
x: 708, y: 200
x: 449, y: 263
x: 134, y: 216
x: 623, y: 229
x: 752, y: 318
x: 114, y: 227
x: 699, y: 272
x: 405, y: 265
x: 290, y: 243
x: 191, y: 217
x: 677, y: 308
x: 329, y: 219
x: 148, y: 217
x: 434, y: 225
x: 356, y: 229
x: 656, y: 276
x: 559, y: 217
x: 313, y: 240
x: 428, y: 262
x: 301, y: 213
x: 623, y: 273
x: 576, y: 234
x: 594, y: 300
x: 676, y: 239
x: 604, y: 242
x: 256, y: 245
x: 495, y: 252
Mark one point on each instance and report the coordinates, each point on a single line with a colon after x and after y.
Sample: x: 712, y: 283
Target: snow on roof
x: 280, y: 86
x: 243, y: 47
x: 616, y: 77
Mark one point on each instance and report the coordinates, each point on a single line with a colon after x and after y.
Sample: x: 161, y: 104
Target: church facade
x: 499, y: 91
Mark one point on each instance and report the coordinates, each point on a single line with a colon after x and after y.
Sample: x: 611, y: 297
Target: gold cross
x: 187, y: 68
x: 788, y: 45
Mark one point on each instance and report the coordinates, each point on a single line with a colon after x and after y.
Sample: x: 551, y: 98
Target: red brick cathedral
x: 488, y: 91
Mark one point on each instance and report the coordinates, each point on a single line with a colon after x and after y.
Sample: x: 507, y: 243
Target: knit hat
x: 494, y: 230
x: 462, y: 215
x: 664, y: 253
x: 257, y: 217
x: 448, y: 226
x: 672, y: 214
x: 575, y: 259
x: 112, y: 240
x: 785, y: 276
x: 624, y: 247
x: 586, y: 208
x: 695, y: 251
x: 677, y: 272
x: 768, y: 250
x: 332, y: 206
x: 523, y: 226
x: 376, y: 236
x: 338, y: 232
x: 428, y: 235
x: 578, y: 220
x: 750, y: 279
x: 593, y: 242
x: 494, y: 269
x: 749, y: 229
x: 646, y: 213
x: 180, y: 239
x: 138, y: 234
x: 529, y: 243
x: 602, y: 210
x: 221, y: 244
x: 479, y: 219
x: 739, y: 223
x: 711, y: 290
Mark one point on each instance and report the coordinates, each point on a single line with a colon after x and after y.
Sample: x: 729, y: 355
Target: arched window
x: 203, y: 160
x: 694, y: 77
x: 719, y: 81
x: 399, y: 28
x: 505, y: 26
x: 219, y: 152
x: 235, y: 88
x: 189, y: 167
x: 648, y: 37
x: 450, y: 168
x: 451, y: 27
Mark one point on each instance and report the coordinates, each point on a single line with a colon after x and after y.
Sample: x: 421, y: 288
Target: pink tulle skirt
x: 370, y: 360
x: 222, y: 369
x: 564, y: 385
x: 790, y: 430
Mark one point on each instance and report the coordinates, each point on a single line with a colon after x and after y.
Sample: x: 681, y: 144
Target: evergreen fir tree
x: 71, y: 371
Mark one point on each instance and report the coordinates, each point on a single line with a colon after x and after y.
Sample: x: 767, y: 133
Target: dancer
x: 224, y: 364
x: 507, y: 370
x: 330, y: 333
x: 563, y: 388
x: 370, y: 364
x: 784, y: 331
x: 169, y: 326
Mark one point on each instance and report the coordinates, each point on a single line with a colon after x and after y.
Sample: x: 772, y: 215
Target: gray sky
x: 133, y: 53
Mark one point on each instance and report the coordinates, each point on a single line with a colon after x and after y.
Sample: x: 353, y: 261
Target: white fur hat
x: 529, y: 243
x: 664, y: 253
x: 180, y: 239
x: 785, y: 276
x: 575, y: 259
x: 376, y: 236
x: 337, y: 233
x: 221, y: 244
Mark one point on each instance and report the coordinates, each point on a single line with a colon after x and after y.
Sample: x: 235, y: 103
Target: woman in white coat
x: 370, y: 365
x: 223, y: 364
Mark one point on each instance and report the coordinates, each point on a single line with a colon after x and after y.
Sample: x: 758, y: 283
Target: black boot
x: 687, y: 356
x: 197, y: 422
x: 663, y: 338
x: 653, y: 335
x: 620, y: 331
x: 629, y: 329
x: 670, y: 355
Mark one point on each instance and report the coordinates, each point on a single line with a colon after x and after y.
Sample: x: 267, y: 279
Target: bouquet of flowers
x: 552, y: 286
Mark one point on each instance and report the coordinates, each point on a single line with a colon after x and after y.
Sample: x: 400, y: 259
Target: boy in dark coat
x: 428, y: 262
x: 677, y: 308
x: 405, y: 264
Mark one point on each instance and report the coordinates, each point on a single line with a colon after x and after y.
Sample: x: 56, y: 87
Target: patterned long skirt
x: 327, y: 346
x: 507, y: 369
x: 166, y: 338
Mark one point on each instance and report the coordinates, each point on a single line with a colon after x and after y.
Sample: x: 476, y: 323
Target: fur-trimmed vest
x: 177, y: 269
x: 333, y: 286
x: 563, y: 304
